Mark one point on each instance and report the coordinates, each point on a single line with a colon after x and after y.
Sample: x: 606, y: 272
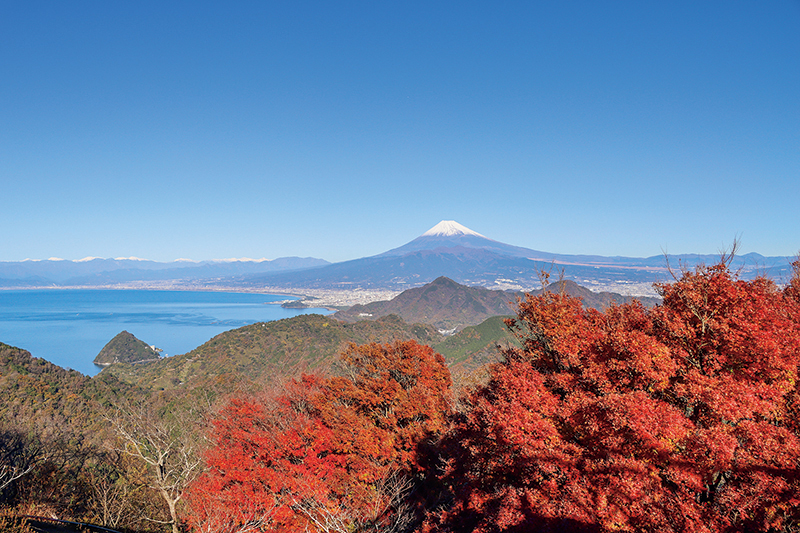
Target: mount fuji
x: 447, y: 249
x: 470, y: 258
x: 450, y: 234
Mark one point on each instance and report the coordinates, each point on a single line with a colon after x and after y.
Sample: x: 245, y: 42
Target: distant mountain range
x: 448, y: 249
x: 98, y: 272
x: 465, y: 256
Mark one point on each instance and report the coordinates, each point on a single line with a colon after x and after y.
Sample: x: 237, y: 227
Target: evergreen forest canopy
x: 679, y: 417
x: 124, y: 347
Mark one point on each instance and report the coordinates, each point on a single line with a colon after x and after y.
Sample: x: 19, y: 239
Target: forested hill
x: 452, y: 306
x: 125, y: 348
x: 267, y: 351
x: 443, y: 303
x: 37, y: 393
x: 56, y: 446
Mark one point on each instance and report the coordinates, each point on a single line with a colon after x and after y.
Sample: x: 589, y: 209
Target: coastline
x: 69, y: 325
x: 331, y: 299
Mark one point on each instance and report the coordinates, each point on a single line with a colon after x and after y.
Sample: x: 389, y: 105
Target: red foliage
x: 395, y: 395
x: 336, y: 454
x: 679, y: 418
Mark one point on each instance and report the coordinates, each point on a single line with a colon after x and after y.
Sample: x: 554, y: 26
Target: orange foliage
x: 683, y: 417
x: 335, y: 454
x: 679, y: 418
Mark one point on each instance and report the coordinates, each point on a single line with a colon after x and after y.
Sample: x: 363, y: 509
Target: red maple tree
x: 678, y: 418
x: 328, y: 454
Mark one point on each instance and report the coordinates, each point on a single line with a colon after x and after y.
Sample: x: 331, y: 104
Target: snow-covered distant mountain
x: 468, y: 257
x: 450, y: 234
x: 97, y: 272
x: 449, y: 228
x: 447, y: 249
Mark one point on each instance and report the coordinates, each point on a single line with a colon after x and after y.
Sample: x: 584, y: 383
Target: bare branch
x: 168, y: 444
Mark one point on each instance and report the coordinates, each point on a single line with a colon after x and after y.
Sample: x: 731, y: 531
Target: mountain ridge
x: 450, y: 306
x: 447, y: 249
x: 459, y: 253
x: 99, y: 271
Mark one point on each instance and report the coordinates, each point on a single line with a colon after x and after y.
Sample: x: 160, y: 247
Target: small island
x: 126, y: 348
x: 295, y: 304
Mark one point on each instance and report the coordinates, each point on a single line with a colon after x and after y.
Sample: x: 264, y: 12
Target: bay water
x: 69, y: 327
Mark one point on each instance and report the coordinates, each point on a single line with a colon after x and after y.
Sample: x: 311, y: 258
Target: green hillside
x: 469, y: 351
x: 125, y: 348
x: 475, y: 345
x: 266, y: 351
x: 442, y: 303
x: 38, y: 393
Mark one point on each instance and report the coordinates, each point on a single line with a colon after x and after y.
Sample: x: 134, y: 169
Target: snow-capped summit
x: 449, y: 228
x: 449, y: 234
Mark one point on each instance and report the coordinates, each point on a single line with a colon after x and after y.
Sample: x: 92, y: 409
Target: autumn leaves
x: 328, y: 454
x: 678, y: 418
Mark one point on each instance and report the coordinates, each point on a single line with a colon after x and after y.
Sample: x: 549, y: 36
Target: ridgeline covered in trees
x: 680, y: 417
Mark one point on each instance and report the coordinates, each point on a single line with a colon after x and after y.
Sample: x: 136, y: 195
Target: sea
x: 69, y: 327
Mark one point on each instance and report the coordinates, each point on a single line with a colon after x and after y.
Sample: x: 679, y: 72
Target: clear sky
x: 209, y: 130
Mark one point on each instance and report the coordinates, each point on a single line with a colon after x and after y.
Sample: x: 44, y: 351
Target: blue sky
x: 338, y: 130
